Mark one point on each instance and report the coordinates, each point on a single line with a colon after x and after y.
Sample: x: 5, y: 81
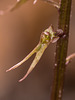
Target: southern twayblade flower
x: 47, y: 37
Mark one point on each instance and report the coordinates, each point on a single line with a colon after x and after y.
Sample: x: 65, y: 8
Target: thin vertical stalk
x: 61, y: 50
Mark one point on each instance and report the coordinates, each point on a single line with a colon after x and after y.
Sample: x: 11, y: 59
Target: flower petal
x: 26, y: 58
x: 35, y: 61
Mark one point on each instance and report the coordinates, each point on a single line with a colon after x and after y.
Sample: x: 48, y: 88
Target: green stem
x: 61, y: 50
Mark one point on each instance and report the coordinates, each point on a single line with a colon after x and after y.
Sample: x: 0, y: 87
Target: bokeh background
x: 19, y: 34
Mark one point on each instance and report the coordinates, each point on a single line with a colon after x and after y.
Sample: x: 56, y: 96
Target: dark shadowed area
x: 19, y: 33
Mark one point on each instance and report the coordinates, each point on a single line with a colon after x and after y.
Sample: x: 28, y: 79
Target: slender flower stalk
x: 61, y: 50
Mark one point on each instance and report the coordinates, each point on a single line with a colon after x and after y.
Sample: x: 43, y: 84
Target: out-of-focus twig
x: 52, y: 2
x: 34, y: 1
x: 69, y: 58
x: 13, y: 7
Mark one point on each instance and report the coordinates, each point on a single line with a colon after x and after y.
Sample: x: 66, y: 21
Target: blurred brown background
x: 19, y: 34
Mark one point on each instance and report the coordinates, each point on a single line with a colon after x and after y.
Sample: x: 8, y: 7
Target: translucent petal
x: 26, y: 58
x: 35, y: 61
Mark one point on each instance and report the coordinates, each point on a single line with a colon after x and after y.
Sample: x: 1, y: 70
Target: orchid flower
x: 47, y: 37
